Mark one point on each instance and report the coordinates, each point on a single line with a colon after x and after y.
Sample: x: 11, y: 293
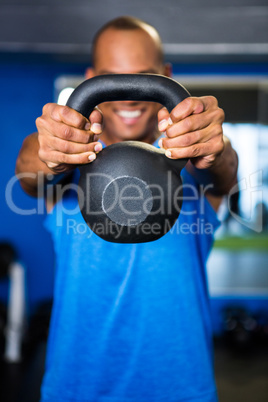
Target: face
x: 127, y: 52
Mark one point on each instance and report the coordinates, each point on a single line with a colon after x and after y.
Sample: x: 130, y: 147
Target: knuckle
x: 219, y: 144
x: 197, y: 136
x: 66, y: 133
x: 65, y: 148
x: 221, y: 141
x: 69, y: 114
x: 188, y: 124
x: 45, y: 108
x: 221, y: 114
x: 189, y: 102
x: 219, y: 129
x: 187, y: 140
x: 79, y: 121
x: 63, y: 158
x: 195, y: 151
x: 216, y: 129
x: 41, y: 142
x: 39, y: 122
x: 65, y: 111
x: 42, y: 154
x: 213, y: 100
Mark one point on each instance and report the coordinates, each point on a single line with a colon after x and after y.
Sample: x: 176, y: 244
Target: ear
x: 167, y: 70
x: 90, y: 73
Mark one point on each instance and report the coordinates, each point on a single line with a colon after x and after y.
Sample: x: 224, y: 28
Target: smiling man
x: 131, y: 322
x: 128, y: 120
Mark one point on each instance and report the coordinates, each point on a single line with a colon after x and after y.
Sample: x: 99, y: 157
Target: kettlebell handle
x: 122, y: 87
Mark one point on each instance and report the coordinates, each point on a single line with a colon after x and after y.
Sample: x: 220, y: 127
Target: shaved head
x: 127, y: 24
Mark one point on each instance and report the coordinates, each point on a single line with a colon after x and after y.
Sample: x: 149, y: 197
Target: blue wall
x: 25, y: 88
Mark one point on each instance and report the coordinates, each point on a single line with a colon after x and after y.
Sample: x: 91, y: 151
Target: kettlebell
x: 131, y: 193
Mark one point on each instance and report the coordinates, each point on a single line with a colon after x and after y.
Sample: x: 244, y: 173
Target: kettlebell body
x: 131, y: 193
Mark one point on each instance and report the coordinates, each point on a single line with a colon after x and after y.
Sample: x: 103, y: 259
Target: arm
x: 64, y: 139
x: 28, y: 161
x: 195, y: 132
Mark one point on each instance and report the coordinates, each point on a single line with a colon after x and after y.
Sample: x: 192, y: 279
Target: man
x: 131, y: 322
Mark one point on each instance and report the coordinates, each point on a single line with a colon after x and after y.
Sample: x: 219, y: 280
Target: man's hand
x: 193, y: 130
x: 66, y: 138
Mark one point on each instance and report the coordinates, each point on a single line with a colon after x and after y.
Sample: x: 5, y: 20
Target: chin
x: 133, y: 133
x: 133, y: 137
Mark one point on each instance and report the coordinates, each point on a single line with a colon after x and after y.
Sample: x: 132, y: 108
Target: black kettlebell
x: 131, y: 193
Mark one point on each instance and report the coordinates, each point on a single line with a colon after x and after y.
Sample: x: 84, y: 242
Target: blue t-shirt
x: 131, y: 322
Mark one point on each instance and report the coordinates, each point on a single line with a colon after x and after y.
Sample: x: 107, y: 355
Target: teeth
x: 129, y: 114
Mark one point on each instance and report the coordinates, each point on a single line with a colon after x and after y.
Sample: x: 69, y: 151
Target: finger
x: 214, y: 146
x: 61, y: 130
x: 193, y: 137
x: 187, y: 107
x: 163, y: 119
x: 96, y: 121
x: 55, y: 158
x: 182, y: 140
x: 66, y: 115
x: 68, y: 147
x: 195, y: 122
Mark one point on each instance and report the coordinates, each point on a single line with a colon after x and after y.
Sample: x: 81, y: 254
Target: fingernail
x: 170, y: 122
x: 52, y: 165
x: 98, y: 147
x: 87, y: 126
x: 91, y: 157
x: 160, y: 142
x: 162, y: 125
x: 168, y: 154
x: 96, y: 128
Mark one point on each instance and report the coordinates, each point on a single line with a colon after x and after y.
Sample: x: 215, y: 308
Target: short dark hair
x: 127, y: 23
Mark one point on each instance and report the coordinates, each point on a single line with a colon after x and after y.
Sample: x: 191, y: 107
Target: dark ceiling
x: 207, y: 29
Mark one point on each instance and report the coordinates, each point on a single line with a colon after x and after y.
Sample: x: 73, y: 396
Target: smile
x: 129, y: 114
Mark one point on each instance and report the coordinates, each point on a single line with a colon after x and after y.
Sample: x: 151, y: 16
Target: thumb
x: 163, y: 119
x: 96, y: 121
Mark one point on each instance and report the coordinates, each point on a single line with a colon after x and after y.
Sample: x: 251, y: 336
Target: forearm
x: 221, y: 176
x: 28, y: 161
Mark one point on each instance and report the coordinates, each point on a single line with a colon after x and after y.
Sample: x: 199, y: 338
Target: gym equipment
x: 15, y: 320
x: 16, y: 313
x: 240, y: 328
x: 132, y: 193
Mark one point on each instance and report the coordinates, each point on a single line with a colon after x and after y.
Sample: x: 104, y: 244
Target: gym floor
x: 241, y: 375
